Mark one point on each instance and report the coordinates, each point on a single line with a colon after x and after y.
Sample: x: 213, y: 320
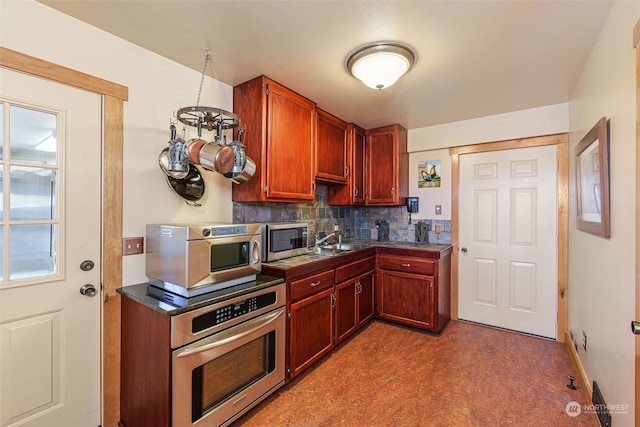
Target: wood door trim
x: 48, y: 70
x: 113, y: 96
x: 636, y: 41
x: 561, y: 141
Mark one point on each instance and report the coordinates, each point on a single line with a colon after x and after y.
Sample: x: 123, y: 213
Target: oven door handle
x: 239, y: 335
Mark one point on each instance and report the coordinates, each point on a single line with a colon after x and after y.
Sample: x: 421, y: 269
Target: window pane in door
x: 1, y: 253
x: 33, y: 135
x: 33, y: 251
x: 33, y: 194
x: 1, y: 131
x: 1, y: 192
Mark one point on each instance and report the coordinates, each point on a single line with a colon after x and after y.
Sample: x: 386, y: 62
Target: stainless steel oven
x: 227, y: 357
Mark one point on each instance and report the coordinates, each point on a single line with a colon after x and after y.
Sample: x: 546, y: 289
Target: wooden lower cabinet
x: 311, y: 330
x: 365, y: 298
x: 414, y: 290
x: 354, y: 305
x: 406, y: 298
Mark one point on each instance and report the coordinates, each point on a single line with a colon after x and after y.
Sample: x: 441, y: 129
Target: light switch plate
x: 438, y: 209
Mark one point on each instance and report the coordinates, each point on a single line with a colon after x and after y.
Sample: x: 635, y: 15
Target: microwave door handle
x: 236, y: 336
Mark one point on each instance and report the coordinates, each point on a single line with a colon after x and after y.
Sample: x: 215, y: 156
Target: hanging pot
x: 191, y: 187
x: 177, y: 157
x: 243, y: 167
x: 216, y: 158
x: 163, y: 162
x: 193, y: 149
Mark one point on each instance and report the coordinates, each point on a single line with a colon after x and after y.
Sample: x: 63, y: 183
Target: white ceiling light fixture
x: 379, y: 65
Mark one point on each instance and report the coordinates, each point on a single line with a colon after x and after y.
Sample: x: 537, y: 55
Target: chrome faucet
x: 324, y: 239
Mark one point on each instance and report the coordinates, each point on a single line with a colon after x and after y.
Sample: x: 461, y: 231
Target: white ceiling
x: 474, y: 58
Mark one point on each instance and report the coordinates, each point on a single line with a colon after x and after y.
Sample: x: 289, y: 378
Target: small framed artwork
x: 428, y: 173
x: 592, y: 180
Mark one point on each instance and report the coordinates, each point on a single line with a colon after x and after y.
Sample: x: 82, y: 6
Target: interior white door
x: 50, y: 231
x: 508, y: 239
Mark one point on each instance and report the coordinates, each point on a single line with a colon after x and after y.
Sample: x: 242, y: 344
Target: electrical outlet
x: 584, y: 341
x: 132, y: 245
x: 437, y: 228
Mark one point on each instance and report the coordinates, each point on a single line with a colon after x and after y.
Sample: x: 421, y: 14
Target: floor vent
x: 600, y: 406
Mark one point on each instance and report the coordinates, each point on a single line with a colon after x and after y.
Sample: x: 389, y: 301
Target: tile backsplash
x: 355, y: 221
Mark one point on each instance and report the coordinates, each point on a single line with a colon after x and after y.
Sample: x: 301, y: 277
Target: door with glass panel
x: 50, y: 297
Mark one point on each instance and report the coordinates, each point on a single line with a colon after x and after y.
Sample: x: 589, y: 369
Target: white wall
x: 157, y: 89
x: 602, y: 271
x: 433, y: 142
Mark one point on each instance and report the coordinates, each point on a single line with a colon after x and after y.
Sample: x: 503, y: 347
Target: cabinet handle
x: 333, y: 300
x: 346, y: 171
x: 314, y: 284
x: 405, y: 265
x: 431, y: 287
x: 355, y: 191
x: 393, y: 191
x: 358, y: 288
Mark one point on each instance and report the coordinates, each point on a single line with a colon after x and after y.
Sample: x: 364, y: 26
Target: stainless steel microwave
x: 283, y: 240
x: 194, y: 259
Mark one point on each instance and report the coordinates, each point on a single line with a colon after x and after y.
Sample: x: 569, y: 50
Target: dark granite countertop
x: 142, y: 293
x: 302, y: 260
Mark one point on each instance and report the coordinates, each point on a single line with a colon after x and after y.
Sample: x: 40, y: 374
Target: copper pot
x: 217, y: 158
x: 193, y: 150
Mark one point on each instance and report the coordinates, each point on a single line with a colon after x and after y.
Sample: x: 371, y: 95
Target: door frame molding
x: 113, y: 97
x: 561, y: 141
x: 636, y: 41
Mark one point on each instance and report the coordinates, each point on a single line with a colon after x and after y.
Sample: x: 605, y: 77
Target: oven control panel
x: 232, y: 311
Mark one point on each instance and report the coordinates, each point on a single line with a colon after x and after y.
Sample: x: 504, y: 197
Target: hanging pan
x: 191, y: 187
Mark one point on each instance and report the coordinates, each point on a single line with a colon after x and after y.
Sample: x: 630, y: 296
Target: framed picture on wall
x: 592, y: 180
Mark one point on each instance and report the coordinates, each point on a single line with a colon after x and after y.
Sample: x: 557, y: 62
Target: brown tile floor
x: 388, y: 375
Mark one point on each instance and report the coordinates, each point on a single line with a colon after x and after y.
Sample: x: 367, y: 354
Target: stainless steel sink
x: 335, y: 249
x: 343, y: 247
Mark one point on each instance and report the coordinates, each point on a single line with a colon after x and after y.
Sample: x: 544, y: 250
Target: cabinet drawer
x: 309, y: 285
x: 408, y: 264
x: 354, y: 269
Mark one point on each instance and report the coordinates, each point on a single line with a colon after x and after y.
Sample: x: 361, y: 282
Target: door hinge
x: 266, y: 91
x: 288, y: 369
x: 289, y: 315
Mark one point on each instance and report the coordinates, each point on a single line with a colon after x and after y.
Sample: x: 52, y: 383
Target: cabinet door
x: 290, y: 146
x: 346, y: 320
x: 353, y: 193
x: 357, y: 168
x: 381, y: 167
x: 405, y: 298
x: 311, y: 330
x: 365, y: 298
x: 387, y: 166
x: 331, y: 149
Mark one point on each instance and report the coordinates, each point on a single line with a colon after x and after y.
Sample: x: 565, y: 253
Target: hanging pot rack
x: 228, y: 159
x: 209, y: 118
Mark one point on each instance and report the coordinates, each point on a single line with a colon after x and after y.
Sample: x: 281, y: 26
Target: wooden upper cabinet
x: 331, y: 149
x: 387, y: 166
x: 279, y: 135
x: 353, y: 193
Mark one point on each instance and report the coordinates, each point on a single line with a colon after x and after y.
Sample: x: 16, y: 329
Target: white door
x: 507, y: 239
x: 50, y: 232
